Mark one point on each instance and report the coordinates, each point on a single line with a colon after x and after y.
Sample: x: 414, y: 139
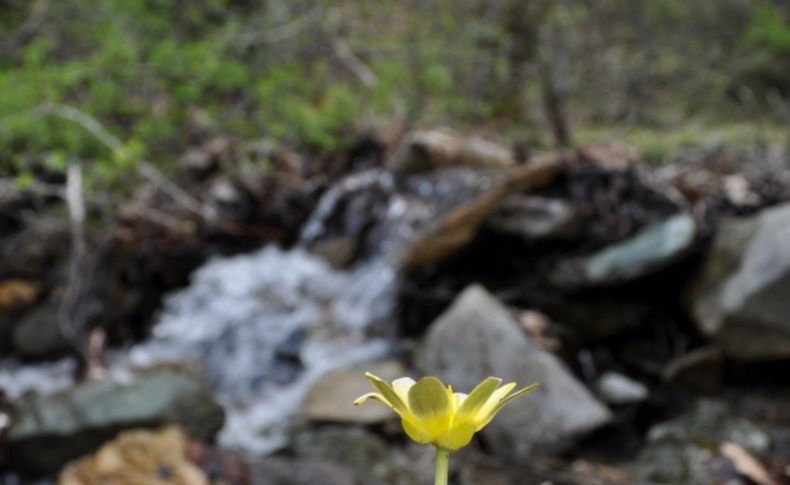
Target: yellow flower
x: 431, y: 412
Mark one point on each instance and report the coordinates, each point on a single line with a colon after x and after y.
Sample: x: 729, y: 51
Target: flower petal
x: 391, y: 398
x: 430, y: 405
x: 504, y: 401
x: 371, y: 395
x: 519, y: 393
x: 401, y: 387
x: 458, y: 436
x: 457, y: 400
x: 428, y: 397
x: 484, y: 412
x: 415, y: 432
x: 478, y: 397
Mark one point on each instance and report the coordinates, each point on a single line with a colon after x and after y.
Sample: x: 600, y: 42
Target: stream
x: 262, y: 327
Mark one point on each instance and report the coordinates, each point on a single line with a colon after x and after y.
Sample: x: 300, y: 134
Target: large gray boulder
x: 741, y: 297
x: 477, y: 337
x: 47, y: 431
x: 650, y: 250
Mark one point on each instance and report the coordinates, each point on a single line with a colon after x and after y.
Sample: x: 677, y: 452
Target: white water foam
x: 239, y: 312
x: 17, y: 378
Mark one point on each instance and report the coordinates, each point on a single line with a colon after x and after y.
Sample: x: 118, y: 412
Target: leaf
x: 746, y: 464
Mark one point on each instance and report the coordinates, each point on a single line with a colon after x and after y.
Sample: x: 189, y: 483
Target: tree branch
x: 68, y: 319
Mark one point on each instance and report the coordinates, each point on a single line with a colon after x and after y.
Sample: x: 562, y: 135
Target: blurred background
x: 216, y: 215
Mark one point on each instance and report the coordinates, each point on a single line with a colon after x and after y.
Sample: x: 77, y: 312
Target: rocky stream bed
x: 651, y: 303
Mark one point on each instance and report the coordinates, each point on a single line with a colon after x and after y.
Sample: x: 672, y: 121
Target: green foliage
x: 161, y: 75
x: 138, y: 68
x: 143, y: 69
x: 770, y: 28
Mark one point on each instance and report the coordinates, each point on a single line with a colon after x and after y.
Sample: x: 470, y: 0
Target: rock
x: 476, y: 473
x: 352, y: 447
x: 372, y: 460
x: 616, y: 389
x: 711, y: 422
x: 337, y: 251
x: 684, y: 450
x: 331, y: 397
x: 37, y: 334
x: 46, y: 431
x: 699, y: 370
x: 647, y: 252
x: 430, y: 149
x: 533, y: 218
x: 223, y: 193
x: 485, y: 470
x: 16, y: 297
x: 350, y: 209
x: 424, y: 150
x: 380, y: 213
x: 16, y: 293
x: 477, y: 337
x: 416, y: 219
x: 287, y: 363
x: 680, y: 464
x: 40, y: 333
x: 600, y: 319
x: 739, y: 191
x: 35, y: 250
x: 539, y: 328
x: 479, y: 152
x: 139, y: 456
x: 282, y: 471
x: 740, y: 298
x: 613, y: 156
x: 208, y: 158
x: 454, y: 228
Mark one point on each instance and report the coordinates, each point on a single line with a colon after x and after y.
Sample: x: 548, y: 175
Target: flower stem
x: 442, y: 465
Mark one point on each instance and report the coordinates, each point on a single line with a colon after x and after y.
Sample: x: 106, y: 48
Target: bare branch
x: 159, y: 217
x: 329, y: 26
x: 88, y: 122
x: 351, y: 61
x: 68, y: 317
x: 151, y: 173
x: 181, y: 196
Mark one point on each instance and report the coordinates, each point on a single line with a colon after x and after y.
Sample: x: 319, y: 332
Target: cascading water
x: 261, y: 327
x: 264, y: 326
x: 17, y: 378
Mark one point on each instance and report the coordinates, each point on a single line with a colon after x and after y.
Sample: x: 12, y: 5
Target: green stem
x: 442, y: 465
